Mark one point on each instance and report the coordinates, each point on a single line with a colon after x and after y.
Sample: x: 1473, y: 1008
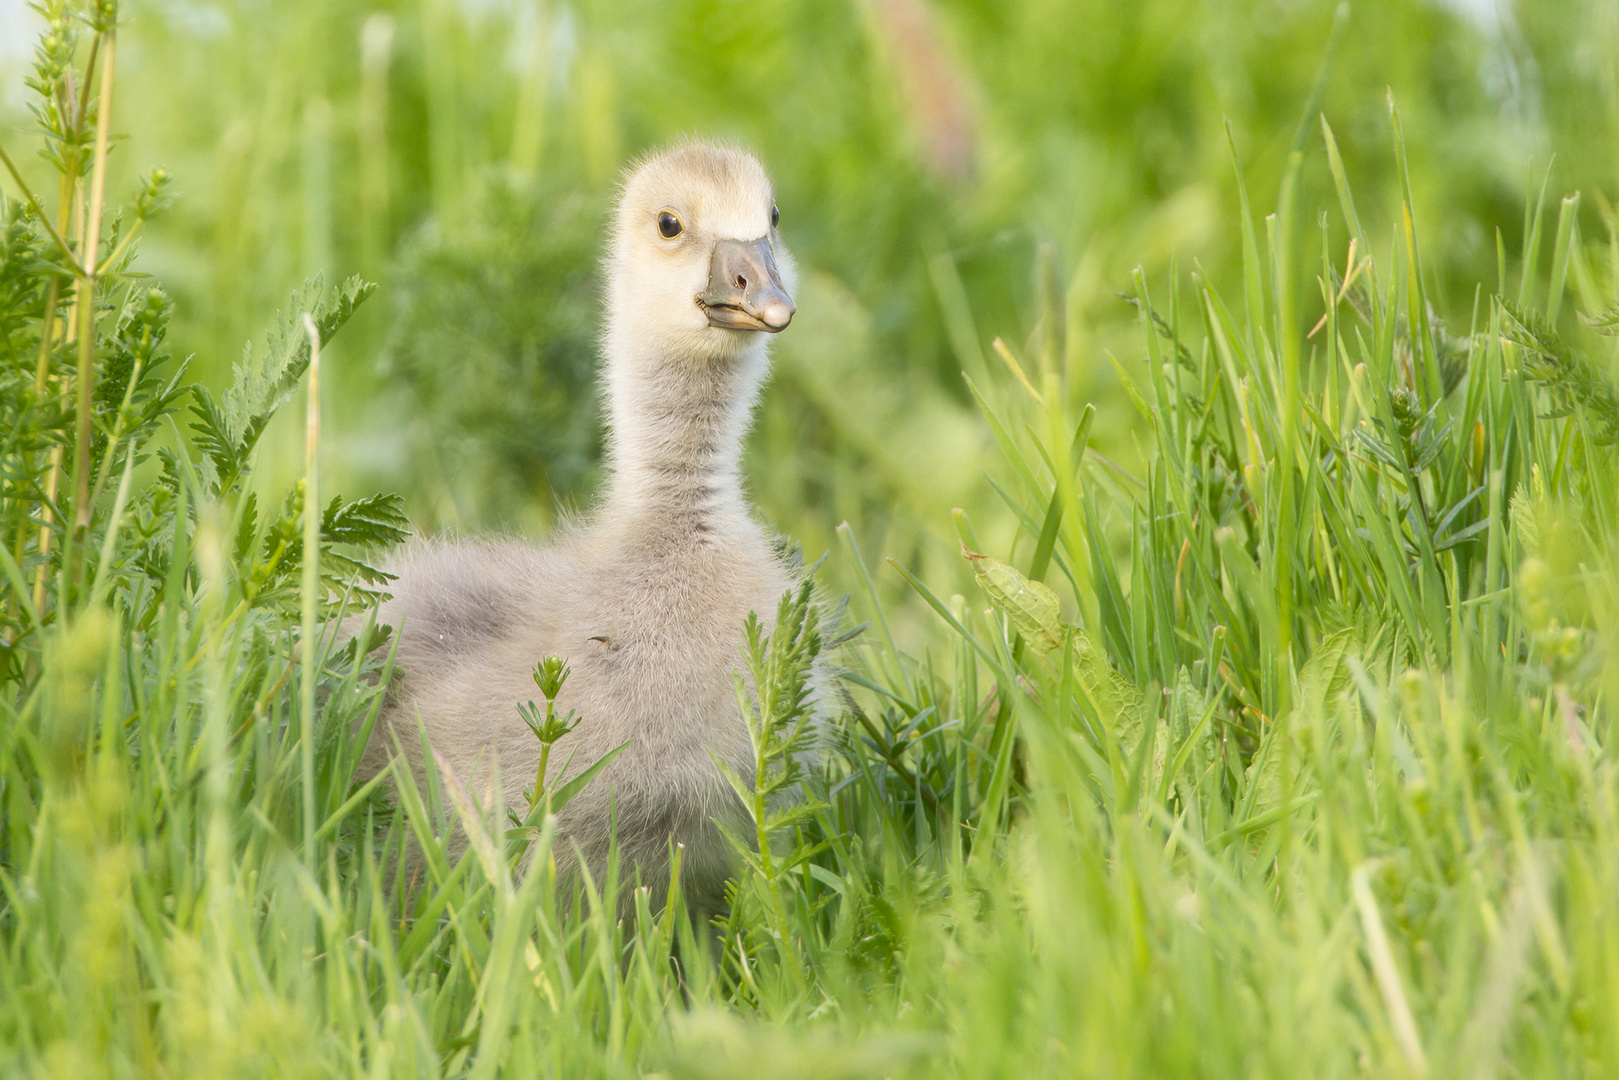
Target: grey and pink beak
x: 744, y: 288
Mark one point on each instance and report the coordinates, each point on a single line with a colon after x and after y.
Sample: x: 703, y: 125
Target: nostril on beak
x: 744, y: 291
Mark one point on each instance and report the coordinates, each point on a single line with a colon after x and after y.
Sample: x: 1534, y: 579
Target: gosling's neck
x: 676, y: 421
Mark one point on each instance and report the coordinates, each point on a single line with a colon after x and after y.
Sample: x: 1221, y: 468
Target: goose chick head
x: 696, y: 269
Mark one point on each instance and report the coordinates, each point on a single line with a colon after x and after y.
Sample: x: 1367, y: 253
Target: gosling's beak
x: 744, y: 290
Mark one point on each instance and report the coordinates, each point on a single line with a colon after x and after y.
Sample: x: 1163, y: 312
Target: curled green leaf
x: 1030, y: 605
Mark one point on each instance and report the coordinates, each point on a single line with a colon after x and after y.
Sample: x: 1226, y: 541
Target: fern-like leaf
x: 228, y: 431
x: 378, y: 521
x: 1605, y: 323
x: 1573, y: 381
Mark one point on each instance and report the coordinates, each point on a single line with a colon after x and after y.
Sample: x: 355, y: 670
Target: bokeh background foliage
x: 1279, y: 744
x: 463, y: 156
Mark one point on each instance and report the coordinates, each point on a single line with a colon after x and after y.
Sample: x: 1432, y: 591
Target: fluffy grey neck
x: 676, y: 425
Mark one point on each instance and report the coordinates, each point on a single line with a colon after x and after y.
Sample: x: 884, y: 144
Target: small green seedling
x: 549, y: 675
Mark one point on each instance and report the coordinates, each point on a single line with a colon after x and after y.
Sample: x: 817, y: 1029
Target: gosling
x: 647, y: 599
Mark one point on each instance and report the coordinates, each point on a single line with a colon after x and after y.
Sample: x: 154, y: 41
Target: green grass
x: 1277, y: 748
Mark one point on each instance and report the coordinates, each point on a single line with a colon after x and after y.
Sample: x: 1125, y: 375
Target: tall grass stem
x: 87, y: 291
x: 309, y: 593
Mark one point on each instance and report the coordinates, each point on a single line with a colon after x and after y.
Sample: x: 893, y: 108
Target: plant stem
x: 52, y: 482
x: 87, y: 297
x: 539, y: 774
x: 123, y: 246
x: 311, y: 584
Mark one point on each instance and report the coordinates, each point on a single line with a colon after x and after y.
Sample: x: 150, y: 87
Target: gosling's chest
x: 677, y: 623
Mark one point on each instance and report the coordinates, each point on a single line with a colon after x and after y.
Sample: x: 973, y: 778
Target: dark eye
x: 669, y: 225
x: 775, y: 216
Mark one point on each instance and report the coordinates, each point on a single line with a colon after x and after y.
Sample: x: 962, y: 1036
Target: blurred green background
x: 948, y: 171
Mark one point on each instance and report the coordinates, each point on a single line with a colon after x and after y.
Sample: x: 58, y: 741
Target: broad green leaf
x: 1030, y: 605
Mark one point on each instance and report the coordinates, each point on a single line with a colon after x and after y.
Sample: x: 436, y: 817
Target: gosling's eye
x: 775, y: 216
x: 669, y: 225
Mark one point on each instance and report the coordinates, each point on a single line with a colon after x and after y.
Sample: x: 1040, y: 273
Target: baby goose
x: 647, y: 600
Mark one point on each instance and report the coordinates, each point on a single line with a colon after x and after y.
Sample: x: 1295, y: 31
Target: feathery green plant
x: 778, y: 710
x: 147, y: 738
